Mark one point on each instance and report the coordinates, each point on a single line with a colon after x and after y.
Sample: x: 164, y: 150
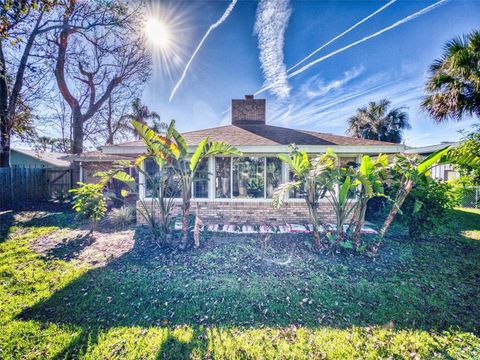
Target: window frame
x: 285, y: 173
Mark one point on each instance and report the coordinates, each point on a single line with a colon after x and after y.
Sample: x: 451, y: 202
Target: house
x: 240, y: 189
x: 442, y: 172
x: 37, y: 159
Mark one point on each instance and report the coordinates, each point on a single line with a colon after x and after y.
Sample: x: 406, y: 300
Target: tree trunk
x: 360, y: 221
x: 185, y: 216
x: 4, y: 143
x: 4, y: 121
x: 397, y: 205
x: 313, y: 216
x: 77, y: 122
x: 404, y: 190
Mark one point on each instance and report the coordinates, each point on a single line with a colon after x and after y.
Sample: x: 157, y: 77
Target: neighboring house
x: 240, y: 189
x: 444, y: 172
x: 37, y: 159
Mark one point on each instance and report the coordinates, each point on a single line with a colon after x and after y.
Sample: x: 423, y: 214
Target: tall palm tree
x: 376, y: 122
x: 453, y: 89
x: 141, y: 114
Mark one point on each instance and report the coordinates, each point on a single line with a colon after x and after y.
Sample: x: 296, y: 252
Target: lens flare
x: 166, y: 33
x: 157, y: 33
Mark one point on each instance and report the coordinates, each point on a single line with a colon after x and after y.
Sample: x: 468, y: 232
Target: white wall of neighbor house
x: 236, y: 193
x: 444, y: 172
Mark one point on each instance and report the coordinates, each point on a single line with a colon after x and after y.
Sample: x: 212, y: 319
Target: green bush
x: 463, y: 189
x: 425, y: 208
x: 89, y: 202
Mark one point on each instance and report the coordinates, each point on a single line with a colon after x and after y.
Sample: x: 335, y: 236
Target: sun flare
x: 157, y: 32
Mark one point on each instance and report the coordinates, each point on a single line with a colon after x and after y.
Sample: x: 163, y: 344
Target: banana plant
x: 370, y: 177
x: 186, y: 168
x: 158, y: 210
x: 307, y: 177
x: 411, y: 170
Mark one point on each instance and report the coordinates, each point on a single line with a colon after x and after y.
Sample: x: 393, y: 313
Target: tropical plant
x: 90, y: 202
x: 425, y: 208
x: 307, y: 174
x: 453, y: 88
x: 157, y: 210
x: 141, y: 114
x: 186, y: 167
x: 409, y: 170
x: 469, y: 147
x: 371, y: 175
x: 170, y: 153
x: 377, y: 122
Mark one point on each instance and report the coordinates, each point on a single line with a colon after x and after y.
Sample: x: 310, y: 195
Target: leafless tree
x: 21, y: 24
x: 99, y: 49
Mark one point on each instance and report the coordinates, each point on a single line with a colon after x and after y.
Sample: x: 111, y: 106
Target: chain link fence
x: 470, y: 197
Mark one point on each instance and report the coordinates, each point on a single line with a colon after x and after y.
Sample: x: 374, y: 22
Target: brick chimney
x: 248, y: 111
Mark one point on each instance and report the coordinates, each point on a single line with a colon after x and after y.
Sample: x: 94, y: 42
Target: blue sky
x: 392, y: 65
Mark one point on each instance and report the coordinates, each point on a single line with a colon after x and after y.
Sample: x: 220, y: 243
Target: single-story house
x: 442, y: 172
x: 37, y: 159
x: 239, y: 189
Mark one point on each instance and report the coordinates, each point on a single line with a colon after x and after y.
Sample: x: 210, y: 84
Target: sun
x: 158, y: 33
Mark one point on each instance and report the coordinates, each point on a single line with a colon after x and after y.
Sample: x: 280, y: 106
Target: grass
x: 230, y: 299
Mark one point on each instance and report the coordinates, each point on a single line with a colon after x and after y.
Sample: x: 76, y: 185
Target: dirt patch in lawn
x: 79, y: 245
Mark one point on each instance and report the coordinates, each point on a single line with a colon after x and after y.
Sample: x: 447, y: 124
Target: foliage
x: 89, y: 202
x: 424, y: 210
x: 347, y: 189
x: 173, y: 150
x: 171, y: 154
x: 122, y: 216
x: 225, y: 303
x: 409, y: 170
x: 307, y: 176
x: 470, y: 147
x: 142, y: 114
x: 464, y: 190
x: 453, y: 89
x: 376, y: 122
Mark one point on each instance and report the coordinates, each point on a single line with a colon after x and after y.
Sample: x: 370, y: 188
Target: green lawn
x: 230, y: 299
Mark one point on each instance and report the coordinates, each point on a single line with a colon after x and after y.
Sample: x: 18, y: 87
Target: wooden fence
x: 27, y: 185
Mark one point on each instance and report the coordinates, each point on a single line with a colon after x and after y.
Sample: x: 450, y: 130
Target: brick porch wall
x: 254, y: 212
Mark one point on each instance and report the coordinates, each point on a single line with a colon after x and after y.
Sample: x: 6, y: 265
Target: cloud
x: 325, y: 57
x: 326, y: 107
x: 319, y: 88
x: 270, y: 25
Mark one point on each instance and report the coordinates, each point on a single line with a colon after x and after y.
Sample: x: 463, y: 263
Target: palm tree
x: 375, y: 122
x: 141, y: 114
x: 453, y: 89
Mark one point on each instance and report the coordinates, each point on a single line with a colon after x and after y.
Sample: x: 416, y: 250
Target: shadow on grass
x: 7, y: 220
x: 431, y: 285
x: 70, y: 249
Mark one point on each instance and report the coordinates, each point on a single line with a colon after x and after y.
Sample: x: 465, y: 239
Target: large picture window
x: 222, y: 177
x: 248, y: 177
x: 274, y: 175
x: 152, y: 180
x: 200, y: 184
x: 171, y: 182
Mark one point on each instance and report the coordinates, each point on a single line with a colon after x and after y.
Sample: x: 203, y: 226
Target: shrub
x: 122, y: 216
x: 464, y: 190
x: 425, y: 207
x: 89, y: 202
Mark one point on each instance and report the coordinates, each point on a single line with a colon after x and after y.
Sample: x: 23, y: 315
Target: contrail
x: 398, y: 23
x: 270, y: 26
x: 212, y: 27
x: 343, y: 33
